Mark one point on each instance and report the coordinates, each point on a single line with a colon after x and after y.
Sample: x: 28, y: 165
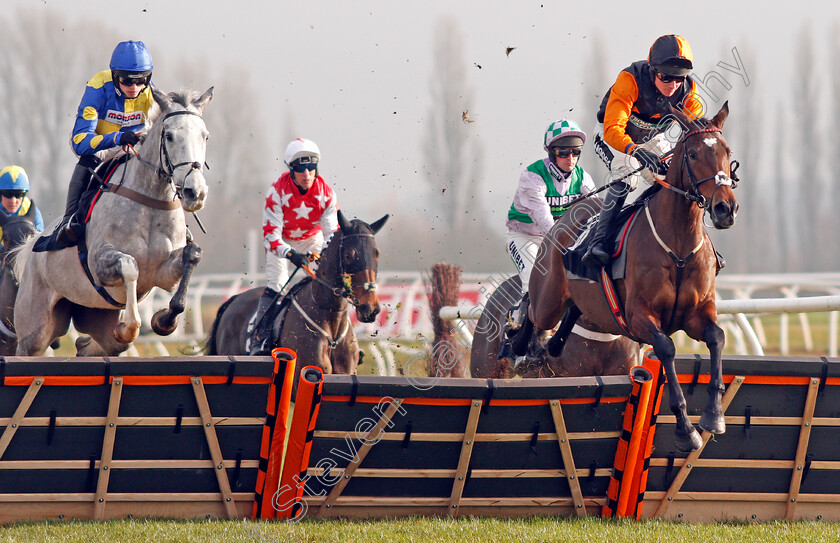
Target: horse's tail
x: 209, y: 347
x: 20, y: 255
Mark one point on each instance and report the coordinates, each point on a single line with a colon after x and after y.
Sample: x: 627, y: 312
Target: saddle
x: 276, y: 313
x: 573, y: 258
x: 87, y: 200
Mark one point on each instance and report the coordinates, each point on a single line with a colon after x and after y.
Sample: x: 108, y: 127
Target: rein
x: 168, y: 175
x: 345, y: 290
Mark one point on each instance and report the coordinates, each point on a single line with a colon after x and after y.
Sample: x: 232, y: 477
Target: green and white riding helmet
x: 566, y: 130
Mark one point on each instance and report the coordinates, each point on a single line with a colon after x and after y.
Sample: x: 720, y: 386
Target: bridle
x: 166, y: 171
x: 721, y: 179
x: 360, y: 264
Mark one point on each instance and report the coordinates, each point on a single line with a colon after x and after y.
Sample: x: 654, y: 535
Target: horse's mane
x: 183, y: 98
x: 21, y: 253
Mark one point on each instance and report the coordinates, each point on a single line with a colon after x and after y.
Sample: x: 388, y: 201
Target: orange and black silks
x: 633, y: 110
x: 274, y: 431
x: 634, y: 446
x: 289, y: 502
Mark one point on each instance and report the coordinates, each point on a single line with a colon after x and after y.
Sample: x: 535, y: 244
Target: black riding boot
x: 68, y: 231
x: 599, y: 253
x: 259, y: 333
x: 66, y: 234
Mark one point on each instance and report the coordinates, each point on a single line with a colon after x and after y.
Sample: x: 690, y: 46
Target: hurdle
x: 100, y: 438
x: 206, y: 437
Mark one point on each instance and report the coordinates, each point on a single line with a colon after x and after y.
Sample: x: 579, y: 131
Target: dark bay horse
x: 587, y: 352
x: 317, y: 325
x: 671, y: 267
x: 15, y: 231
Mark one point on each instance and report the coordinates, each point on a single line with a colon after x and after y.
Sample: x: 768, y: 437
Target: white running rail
x: 405, y: 316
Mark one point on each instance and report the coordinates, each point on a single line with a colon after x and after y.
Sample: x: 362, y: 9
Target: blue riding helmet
x: 131, y: 56
x: 13, y: 178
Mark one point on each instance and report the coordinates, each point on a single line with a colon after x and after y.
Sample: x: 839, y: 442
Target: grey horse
x: 136, y: 239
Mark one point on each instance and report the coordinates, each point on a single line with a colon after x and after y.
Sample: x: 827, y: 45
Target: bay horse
x: 136, y: 239
x: 587, y: 352
x: 15, y: 231
x: 316, y: 325
x: 671, y: 266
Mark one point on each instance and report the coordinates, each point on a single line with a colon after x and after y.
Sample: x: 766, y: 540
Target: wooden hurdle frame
x: 77, y: 434
x: 792, y: 404
x: 367, y: 427
x: 101, y: 438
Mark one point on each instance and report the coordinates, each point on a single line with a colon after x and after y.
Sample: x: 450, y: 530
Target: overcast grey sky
x: 355, y: 76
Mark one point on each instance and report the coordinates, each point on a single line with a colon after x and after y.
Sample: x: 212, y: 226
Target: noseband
x: 721, y: 179
x: 167, y: 175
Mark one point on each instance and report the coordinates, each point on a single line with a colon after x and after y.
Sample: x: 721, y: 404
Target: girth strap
x: 614, y: 303
x: 83, y: 254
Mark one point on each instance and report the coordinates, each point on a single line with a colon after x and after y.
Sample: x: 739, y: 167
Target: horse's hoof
x: 122, y: 334
x: 555, y: 348
x: 82, y: 342
x: 689, y: 442
x: 160, y: 327
x: 713, y: 423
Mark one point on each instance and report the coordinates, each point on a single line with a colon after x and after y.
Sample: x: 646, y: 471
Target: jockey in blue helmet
x: 14, y: 187
x: 113, y: 112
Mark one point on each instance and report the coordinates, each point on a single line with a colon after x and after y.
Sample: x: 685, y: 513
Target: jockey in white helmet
x: 300, y: 216
x: 544, y: 188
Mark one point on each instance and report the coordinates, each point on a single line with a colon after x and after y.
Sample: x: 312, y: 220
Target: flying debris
x: 465, y: 116
x: 509, y: 50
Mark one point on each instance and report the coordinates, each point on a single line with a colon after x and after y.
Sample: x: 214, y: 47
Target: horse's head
x: 183, y: 143
x: 702, y: 167
x: 358, y: 261
x: 15, y: 230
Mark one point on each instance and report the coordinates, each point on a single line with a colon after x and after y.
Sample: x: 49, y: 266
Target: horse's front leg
x: 704, y: 328
x: 112, y: 269
x: 179, y: 267
x: 686, y: 437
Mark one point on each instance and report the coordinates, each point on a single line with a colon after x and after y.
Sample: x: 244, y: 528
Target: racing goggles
x: 564, y: 152
x: 142, y: 81
x: 305, y: 163
x: 665, y: 78
x: 12, y: 193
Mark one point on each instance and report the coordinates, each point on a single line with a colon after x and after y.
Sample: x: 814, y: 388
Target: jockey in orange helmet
x: 632, y: 123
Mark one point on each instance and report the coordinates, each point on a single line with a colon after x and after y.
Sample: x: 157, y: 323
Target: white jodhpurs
x: 279, y: 269
x: 522, y: 249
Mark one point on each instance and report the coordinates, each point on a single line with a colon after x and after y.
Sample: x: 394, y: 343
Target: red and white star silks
x: 290, y: 215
